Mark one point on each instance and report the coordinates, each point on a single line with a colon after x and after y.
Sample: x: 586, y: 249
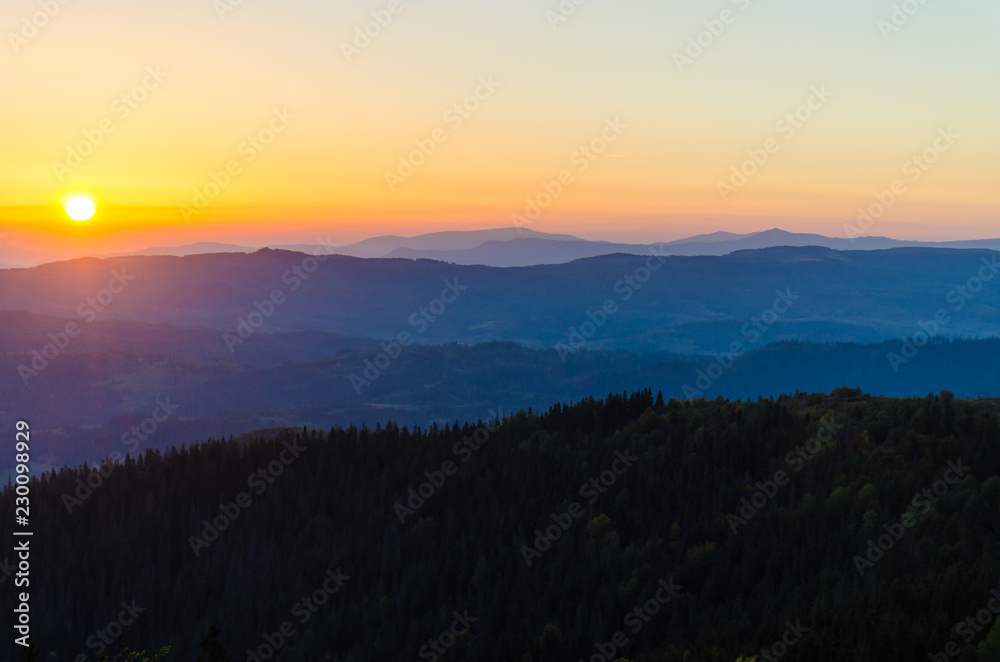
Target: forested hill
x: 816, y: 528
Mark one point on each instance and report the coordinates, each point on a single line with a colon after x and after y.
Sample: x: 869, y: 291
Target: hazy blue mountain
x: 777, y: 237
x: 687, y: 304
x: 514, y: 247
x: 23, y: 333
x: 88, y: 399
x: 545, y: 250
x: 277, y: 338
x: 434, y: 241
x: 13, y: 257
x: 522, y: 252
x: 711, y: 237
x: 190, y: 249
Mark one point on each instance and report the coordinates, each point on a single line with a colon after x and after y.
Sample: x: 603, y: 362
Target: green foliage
x: 481, y: 574
x: 839, y: 500
x: 991, y: 491
x: 989, y: 648
x: 552, y: 642
x: 663, y: 518
x: 212, y: 648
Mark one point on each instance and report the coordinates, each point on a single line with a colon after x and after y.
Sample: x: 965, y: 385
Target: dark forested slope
x: 822, y: 528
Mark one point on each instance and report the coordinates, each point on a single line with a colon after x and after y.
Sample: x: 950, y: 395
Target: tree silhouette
x: 677, y: 503
x: 31, y: 653
x: 212, y: 648
x: 136, y: 656
x: 989, y: 648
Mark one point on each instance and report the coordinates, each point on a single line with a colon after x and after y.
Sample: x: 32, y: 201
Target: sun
x: 80, y: 208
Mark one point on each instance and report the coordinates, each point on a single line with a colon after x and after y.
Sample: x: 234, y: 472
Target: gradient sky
x: 324, y: 175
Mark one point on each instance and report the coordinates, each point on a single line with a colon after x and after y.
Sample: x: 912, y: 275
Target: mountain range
x: 519, y: 247
x: 627, y: 302
x: 276, y: 338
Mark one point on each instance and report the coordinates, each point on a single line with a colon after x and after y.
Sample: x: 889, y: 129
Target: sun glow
x: 80, y: 208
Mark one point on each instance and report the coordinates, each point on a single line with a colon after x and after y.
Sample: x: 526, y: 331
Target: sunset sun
x: 80, y: 208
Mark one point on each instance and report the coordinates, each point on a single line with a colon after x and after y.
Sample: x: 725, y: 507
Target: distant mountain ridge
x: 278, y: 338
x: 199, y: 248
x: 442, y: 241
x: 522, y: 247
x: 522, y: 252
x: 689, y: 304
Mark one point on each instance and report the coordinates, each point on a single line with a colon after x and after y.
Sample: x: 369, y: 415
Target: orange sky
x: 145, y: 107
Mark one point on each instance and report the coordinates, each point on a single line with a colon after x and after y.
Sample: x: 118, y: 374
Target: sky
x: 261, y: 121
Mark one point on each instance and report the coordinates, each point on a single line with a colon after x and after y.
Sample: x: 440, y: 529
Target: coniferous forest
x: 807, y: 527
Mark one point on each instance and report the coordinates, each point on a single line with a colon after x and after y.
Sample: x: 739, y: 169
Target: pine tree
x: 989, y: 648
x: 31, y: 653
x: 136, y: 656
x: 212, y: 648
